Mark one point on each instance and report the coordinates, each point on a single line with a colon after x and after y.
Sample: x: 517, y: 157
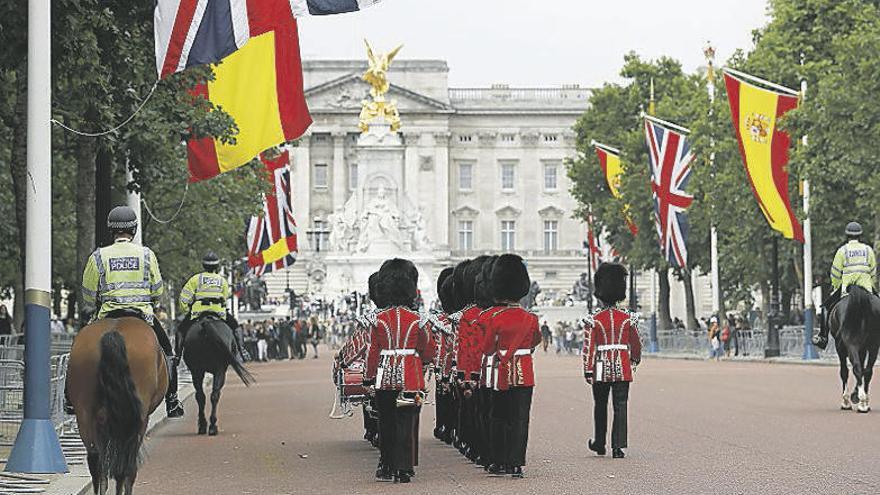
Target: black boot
x: 172, y: 404
x: 516, y: 471
x: 402, y: 477
x: 383, y: 473
x: 821, y: 340
x: 617, y: 454
x: 598, y: 449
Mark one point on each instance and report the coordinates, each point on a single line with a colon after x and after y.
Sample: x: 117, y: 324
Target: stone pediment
x: 465, y: 212
x: 346, y: 93
x: 551, y: 211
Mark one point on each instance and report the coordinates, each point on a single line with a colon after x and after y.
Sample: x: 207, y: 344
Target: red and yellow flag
x: 261, y: 87
x: 609, y: 160
x: 764, y: 148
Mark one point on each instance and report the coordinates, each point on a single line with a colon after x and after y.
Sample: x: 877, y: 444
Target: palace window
x: 550, y: 176
x: 320, y: 178
x: 465, y: 176
x: 465, y: 235
x: 508, y: 176
x: 551, y: 235
x: 508, y: 235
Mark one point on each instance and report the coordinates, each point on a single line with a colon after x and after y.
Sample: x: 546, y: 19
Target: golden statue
x: 377, y: 77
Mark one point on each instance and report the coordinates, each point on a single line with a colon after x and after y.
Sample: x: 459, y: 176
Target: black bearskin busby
x: 484, y: 293
x: 458, y: 290
x: 510, y: 278
x: 444, y: 290
x: 469, y: 281
x: 610, y: 283
x: 397, y: 283
x: 374, y: 293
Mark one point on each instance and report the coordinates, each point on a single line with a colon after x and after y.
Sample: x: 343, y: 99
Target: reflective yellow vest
x: 854, y: 264
x: 122, y: 275
x: 205, y: 292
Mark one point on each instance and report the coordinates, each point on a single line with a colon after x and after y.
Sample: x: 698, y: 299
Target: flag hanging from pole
x: 671, y: 157
x: 764, y: 148
x: 271, y: 237
x: 261, y: 87
x: 199, y: 32
x: 609, y: 160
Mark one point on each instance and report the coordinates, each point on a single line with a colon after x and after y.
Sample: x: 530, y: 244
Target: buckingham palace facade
x: 485, y: 166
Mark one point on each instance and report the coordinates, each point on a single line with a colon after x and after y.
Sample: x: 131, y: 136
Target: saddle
x: 130, y: 313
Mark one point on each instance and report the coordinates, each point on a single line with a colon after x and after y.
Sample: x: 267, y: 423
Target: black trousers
x: 510, y: 425
x: 484, y: 422
x: 397, y: 446
x: 619, y: 392
x: 467, y: 418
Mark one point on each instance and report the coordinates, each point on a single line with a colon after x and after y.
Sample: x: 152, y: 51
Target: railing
x: 747, y: 343
x: 518, y: 94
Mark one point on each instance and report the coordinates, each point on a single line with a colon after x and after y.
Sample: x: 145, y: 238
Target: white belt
x: 397, y: 352
x: 612, y: 347
x: 519, y: 352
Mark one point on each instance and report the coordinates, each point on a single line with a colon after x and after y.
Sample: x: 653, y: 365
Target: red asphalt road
x: 695, y: 427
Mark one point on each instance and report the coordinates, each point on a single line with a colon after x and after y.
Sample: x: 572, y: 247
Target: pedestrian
x: 5, y: 321
x: 262, y: 343
x: 512, y: 333
x: 399, y: 349
x: 316, y: 333
x: 546, y: 336
x: 714, y: 339
x: 560, y: 337
x: 612, y: 350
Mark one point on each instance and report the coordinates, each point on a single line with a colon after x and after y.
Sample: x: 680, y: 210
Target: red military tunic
x: 487, y: 363
x: 512, y: 334
x: 470, y: 336
x: 399, y: 347
x: 611, y: 346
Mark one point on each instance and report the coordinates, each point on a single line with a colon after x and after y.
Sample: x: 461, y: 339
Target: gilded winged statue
x: 377, y: 76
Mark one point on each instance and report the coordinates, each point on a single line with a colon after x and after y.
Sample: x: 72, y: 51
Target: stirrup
x: 820, y: 341
x: 173, y: 407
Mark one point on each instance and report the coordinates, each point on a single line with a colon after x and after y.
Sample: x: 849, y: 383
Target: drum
x: 352, y: 386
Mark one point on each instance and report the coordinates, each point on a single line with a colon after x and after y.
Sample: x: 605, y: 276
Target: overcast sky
x: 537, y: 42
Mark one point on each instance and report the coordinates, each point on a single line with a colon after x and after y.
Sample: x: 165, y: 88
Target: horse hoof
x: 203, y: 429
x: 212, y: 431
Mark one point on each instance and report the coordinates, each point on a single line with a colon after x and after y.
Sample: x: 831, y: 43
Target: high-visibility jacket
x: 854, y: 264
x: 205, y: 292
x: 122, y: 275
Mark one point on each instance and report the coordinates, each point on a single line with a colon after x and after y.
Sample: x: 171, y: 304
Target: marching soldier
x: 123, y: 279
x: 612, y: 350
x: 512, y: 334
x: 206, y: 293
x: 442, y: 329
x: 854, y: 264
x: 485, y: 300
x: 399, y: 348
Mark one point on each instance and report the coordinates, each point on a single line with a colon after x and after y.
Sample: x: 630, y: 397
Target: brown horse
x: 117, y: 377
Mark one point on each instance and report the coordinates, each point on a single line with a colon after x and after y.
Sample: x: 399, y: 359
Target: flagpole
x: 36, y: 448
x: 709, y: 51
x: 809, y: 311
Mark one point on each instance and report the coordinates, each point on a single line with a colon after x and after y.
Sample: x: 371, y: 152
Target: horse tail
x: 122, y: 408
x: 211, y: 332
x: 858, y: 309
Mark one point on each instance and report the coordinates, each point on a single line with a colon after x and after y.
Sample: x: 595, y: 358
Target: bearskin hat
x: 458, y: 292
x: 484, y: 294
x: 444, y: 274
x: 469, y: 283
x: 446, y: 293
x: 510, y: 278
x: 610, y: 283
x: 374, y: 293
x: 397, y: 282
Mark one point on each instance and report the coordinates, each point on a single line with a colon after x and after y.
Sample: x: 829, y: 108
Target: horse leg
x: 219, y: 381
x: 846, y: 403
x: 198, y: 378
x: 867, y: 373
x: 857, y: 369
x: 94, y: 461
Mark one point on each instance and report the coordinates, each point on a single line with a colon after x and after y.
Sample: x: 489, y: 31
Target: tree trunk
x: 663, y: 318
x: 103, y: 186
x: 18, y: 168
x: 687, y: 279
x: 86, y: 152
x: 765, y: 303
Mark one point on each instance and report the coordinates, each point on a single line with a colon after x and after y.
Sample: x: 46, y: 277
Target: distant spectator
x: 714, y: 339
x: 262, y: 343
x: 5, y: 321
x: 546, y: 336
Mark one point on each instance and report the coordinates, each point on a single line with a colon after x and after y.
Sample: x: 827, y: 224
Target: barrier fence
x: 745, y: 343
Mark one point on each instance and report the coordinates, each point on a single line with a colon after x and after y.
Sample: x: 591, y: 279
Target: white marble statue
x: 380, y: 220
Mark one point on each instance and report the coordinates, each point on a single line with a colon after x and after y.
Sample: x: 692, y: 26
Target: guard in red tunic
x: 400, y: 347
x: 485, y: 300
x: 442, y: 334
x: 512, y: 334
x: 468, y: 353
x: 612, y: 350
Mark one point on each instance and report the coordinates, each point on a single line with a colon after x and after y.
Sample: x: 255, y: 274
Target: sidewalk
x: 743, y: 359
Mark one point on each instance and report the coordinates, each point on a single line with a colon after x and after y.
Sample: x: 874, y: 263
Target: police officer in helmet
x: 123, y: 279
x: 854, y: 264
x: 205, y: 293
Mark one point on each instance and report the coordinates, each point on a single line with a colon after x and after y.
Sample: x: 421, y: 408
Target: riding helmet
x: 853, y: 229
x: 210, y: 261
x: 122, y: 219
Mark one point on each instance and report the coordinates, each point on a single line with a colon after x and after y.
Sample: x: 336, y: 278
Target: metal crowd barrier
x: 747, y: 343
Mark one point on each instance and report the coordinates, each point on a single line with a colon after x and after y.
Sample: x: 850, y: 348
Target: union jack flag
x: 671, y: 159
x: 271, y: 237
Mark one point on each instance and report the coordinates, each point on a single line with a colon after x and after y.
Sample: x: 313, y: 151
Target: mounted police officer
x: 123, y: 280
x: 206, y: 293
x: 854, y: 264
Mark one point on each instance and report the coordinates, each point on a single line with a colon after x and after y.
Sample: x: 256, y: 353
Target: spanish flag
x: 764, y: 148
x: 261, y: 86
x: 609, y: 160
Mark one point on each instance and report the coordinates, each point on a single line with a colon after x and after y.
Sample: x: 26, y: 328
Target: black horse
x: 209, y: 348
x: 855, y: 324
